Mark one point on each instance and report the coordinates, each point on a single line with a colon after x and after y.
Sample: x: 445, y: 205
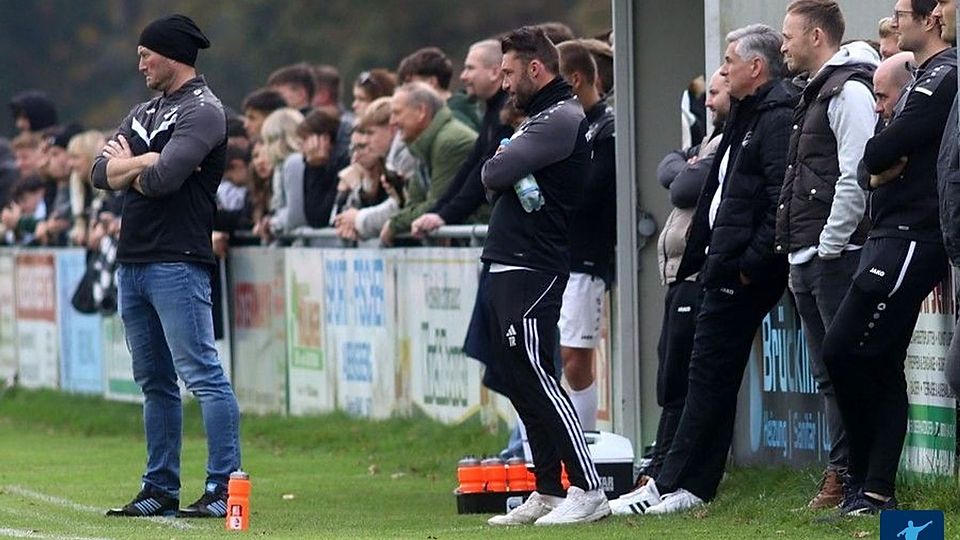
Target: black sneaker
x: 864, y: 505
x: 212, y: 504
x: 149, y: 502
x: 850, y: 489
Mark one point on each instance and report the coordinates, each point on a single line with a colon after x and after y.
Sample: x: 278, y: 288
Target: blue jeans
x: 167, y: 317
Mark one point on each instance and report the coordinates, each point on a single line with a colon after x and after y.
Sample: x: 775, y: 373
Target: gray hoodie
x: 853, y: 119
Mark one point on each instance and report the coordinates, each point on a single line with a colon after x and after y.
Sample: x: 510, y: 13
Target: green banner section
x: 931, y: 427
x: 307, y: 358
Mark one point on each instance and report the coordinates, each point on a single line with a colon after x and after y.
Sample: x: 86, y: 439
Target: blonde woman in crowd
x: 280, y: 142
x: 85, y: 200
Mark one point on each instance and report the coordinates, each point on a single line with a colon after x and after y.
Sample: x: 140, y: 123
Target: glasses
x: 898, y: 13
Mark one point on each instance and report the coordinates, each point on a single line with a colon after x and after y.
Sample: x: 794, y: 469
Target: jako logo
x: 877, y: 272
x: 911, y: 525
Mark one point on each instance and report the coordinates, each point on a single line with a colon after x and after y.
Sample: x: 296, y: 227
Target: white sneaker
x: 636, y: 501
x: 678, y: 501
x: 579, y: 507
x: 535, y: 507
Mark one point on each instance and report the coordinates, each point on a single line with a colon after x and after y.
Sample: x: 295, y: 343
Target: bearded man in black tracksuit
x: 902, y: 261
x: 731, y: 238
x: 527, y: 254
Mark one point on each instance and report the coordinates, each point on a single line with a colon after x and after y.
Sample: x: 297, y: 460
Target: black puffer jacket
x: 741, y: 240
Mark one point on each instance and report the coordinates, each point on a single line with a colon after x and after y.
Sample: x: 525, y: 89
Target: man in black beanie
x: 168, y: 156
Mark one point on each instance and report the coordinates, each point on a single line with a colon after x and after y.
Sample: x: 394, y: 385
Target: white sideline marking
x: 50, y: 499
x: 22, y: 533
x: 58, y: 501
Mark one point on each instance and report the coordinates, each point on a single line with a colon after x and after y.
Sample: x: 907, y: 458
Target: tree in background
x: 81, y: 52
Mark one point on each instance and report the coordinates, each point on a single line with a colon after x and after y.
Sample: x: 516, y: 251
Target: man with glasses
x: 901, y: 262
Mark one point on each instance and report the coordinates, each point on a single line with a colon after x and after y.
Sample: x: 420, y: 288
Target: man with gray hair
x: 731, y: 239
x: 438, y: 140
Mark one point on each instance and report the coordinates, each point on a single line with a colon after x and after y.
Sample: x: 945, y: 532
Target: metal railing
x: 327, y: 236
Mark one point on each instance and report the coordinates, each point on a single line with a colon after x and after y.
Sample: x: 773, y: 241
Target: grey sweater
x: 172, y: 220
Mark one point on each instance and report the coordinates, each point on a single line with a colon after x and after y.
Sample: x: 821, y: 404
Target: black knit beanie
x: 175, y: 36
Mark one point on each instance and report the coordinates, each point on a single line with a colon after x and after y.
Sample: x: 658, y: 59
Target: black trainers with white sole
x: 212, y: 504
x: 149, y: 502
x: 864, y: 505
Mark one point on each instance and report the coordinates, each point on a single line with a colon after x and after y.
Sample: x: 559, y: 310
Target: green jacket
x: 465, y: 110
x: 441, y: 149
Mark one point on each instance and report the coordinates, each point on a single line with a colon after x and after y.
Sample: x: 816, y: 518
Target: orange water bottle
x: 531, y: 480
x: 470, y: 475
x: 494, y: 474
x: 238, y: 501
x: 517, y: 475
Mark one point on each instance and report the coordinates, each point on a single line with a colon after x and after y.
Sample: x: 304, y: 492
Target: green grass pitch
x: 65, y: 459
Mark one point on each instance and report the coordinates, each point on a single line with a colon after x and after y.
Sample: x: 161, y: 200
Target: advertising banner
x: 437, y: 288
x: 931, y: 444
x: 81, y: 345
x: 312, y: 377
x: 780, y: 420
x: 603, y: 368
x: 37, y: 338
x: 259, y: 329
x: 359, y: 317
x: 118, y: 383
x: 8, y: 319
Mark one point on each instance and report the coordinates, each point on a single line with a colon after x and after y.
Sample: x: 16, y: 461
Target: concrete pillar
x: 659, y: 49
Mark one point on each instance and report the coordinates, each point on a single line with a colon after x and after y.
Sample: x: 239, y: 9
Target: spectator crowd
x: 399, y: 162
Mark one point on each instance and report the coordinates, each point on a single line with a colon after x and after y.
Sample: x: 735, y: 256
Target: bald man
x: 683, y: 172
x: 465, y: 200
x: 893, y: 74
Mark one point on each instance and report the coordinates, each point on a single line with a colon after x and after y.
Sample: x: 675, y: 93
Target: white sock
x: 585, y: 403
x: 552, y: 500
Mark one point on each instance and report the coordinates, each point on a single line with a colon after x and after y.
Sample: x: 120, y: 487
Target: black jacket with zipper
x: 552, y: 146
x: 757, y: 135
x: 172, y: 220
